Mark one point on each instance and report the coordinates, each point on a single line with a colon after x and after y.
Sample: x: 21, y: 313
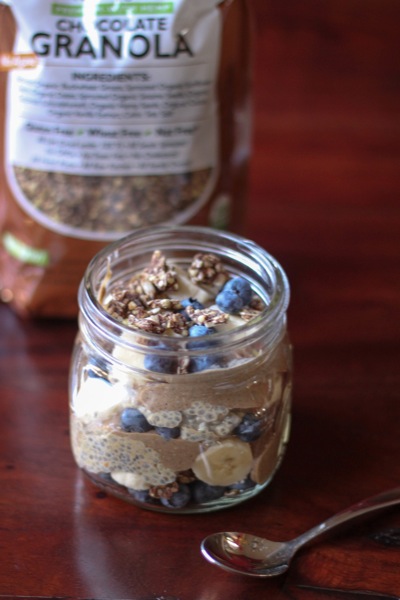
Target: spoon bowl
x: 249, y: 554
x: 245, y: 553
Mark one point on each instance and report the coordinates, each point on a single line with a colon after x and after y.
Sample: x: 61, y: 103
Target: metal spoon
x: 251, y: 555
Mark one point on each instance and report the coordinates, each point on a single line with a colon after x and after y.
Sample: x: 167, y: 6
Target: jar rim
x: 143, y: 241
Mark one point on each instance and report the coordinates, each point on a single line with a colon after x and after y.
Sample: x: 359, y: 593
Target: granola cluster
x: 164, y: 491
x: 206, y: 316
x: 208, y: 268
x: 160, y: 274
x: 161, y: 322
x: 148, y: 301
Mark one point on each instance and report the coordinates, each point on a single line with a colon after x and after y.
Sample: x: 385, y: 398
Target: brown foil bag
x: 40, y: 269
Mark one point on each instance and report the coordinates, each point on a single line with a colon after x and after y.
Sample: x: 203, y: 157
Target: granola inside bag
x: 114, y: 116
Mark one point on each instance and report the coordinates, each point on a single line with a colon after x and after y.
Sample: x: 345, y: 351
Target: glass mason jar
x: 171, y: 422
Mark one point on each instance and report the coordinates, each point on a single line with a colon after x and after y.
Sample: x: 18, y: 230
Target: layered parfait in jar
x: 180, y: 385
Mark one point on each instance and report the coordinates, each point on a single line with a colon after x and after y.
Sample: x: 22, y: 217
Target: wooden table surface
x: 325, y: 184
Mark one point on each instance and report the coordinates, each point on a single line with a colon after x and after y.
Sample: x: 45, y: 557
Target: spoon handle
x: 363, y: 508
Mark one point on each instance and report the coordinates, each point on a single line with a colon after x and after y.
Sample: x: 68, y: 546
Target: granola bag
x: 114, y: 116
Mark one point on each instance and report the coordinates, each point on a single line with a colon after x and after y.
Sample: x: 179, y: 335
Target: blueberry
x: 160, y: 364
x: 249, y: 429
x: 203, y: 492
x: 235, y: 294
x: 142, y: 496
x: 200, y: 330
x: 179, y: 499
x: 229, y: 302
x: 201, y: 363
x: 241, y: 287
x: 168, y: 433
x: 133, y: 420
x: 244, y: 484
x: 192, y: 302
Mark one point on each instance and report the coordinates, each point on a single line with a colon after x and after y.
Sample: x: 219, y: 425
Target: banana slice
x: 127, y: 356
x: 224, y: 463
x: 233, y: 322
x: 132, y: 359
x: 188, y: 289
x: 97, y: 399
x: 130, y: 480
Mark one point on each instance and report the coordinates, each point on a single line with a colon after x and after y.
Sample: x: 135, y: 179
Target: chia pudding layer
x: 175, y: 419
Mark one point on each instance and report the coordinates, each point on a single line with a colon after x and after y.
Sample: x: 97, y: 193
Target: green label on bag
x: 23, y: 252
x: 112, y: 9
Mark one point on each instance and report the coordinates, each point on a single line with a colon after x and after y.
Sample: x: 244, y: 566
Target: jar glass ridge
x: 234, y: 415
